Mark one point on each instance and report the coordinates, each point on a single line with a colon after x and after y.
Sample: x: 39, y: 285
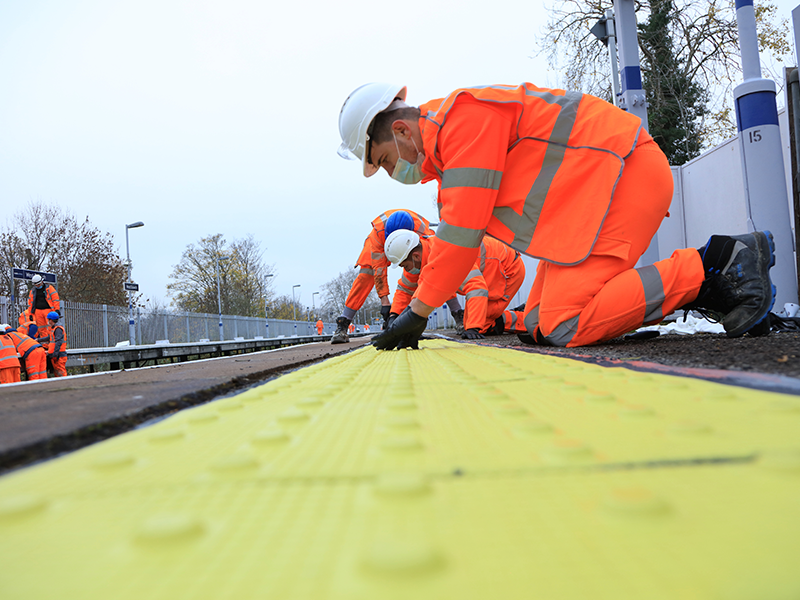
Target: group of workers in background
x: 404, y: 238
x: 39, y: 343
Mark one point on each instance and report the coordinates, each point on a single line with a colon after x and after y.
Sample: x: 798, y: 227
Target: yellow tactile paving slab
x: 458, y: 471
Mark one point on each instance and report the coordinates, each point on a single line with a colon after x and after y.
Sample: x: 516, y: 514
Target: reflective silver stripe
x: 532, y: 320
x: 524, y: 225
x: 366, y: 271
x: 477, y: 294
x: 513, y: 325
x: 384, y: 217
x: 407, y: 281
x: 400, y: 286
x: 482, y: 264
x: 653, y: 293
x: 378, y: 255
x: 487, y: 179
x: 563, y: 334
x: 460, y: 236
x: 473, y: 273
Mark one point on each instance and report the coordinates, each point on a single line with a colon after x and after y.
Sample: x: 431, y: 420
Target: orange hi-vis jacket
x: 25, y: 327
x: 373, y: 261
x: 486, y: 287
x: 31, y: 354
x: 50, y: 294
x: 533, y: 167
x: 8, y: 353
x: 57, y: 342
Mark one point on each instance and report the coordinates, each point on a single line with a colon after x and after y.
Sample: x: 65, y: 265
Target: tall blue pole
x: 762, y: 157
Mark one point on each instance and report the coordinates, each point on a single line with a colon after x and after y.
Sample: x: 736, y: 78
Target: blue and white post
x: 632, y: 97
x: 762, y: 158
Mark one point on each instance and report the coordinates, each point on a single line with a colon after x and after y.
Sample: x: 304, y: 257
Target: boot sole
x: 766, y: 248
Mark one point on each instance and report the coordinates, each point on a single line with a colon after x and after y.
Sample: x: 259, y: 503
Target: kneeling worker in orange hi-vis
x: 566, y: 178
x: 489, y: 287
x: 9, y: 361
x: 32, y: 356
x: 373, y: 263
x: 27, y: 325
x: 320, y: 326
x: 56, y: 345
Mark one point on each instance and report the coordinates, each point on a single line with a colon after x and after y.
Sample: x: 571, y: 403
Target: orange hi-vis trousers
x: 495, y: 308
x: 9, y: 375
x: 513, y: 321
x: 36, y: 364
x: 604, y: 296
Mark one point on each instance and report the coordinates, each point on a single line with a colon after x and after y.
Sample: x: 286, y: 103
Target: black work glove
x: 403, y: 332
x: 385, y: 310
x: 389, y: 321
x: 472, y: 334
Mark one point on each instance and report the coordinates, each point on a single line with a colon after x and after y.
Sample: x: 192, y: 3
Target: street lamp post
x: 219, y: 294
x: 266, y: 316
x: 313, y: 306
x: 131, y: 322
x: 294, y: 309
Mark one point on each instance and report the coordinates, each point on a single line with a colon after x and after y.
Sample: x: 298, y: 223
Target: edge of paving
x: 97, y: 431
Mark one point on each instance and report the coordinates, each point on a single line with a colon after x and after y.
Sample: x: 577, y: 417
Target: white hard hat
x: 356, y: 115
x: 4, y: 327
x: 399, y: 244
x: 36, y: 279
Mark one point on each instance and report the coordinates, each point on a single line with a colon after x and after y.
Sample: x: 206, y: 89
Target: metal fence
x: 102, y: 326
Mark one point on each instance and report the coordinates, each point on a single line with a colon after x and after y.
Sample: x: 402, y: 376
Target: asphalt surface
x: 42, y: 419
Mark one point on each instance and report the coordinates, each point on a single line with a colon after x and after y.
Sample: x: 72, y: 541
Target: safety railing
x: 103, y: 326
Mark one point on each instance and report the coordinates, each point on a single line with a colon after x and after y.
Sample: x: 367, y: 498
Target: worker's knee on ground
x: 561, y: 331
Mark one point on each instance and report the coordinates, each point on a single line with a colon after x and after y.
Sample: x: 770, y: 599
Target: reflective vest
x: 57, y: 348
x: 24, y: 344
x: 51, y: 295
x: 548, y: 196
x: 377, y: 239
x: 8, y: 353
x: 28, y: 328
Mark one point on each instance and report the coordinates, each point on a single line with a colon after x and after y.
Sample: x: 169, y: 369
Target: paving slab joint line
x: 97, y: 432
x: 756, y: 381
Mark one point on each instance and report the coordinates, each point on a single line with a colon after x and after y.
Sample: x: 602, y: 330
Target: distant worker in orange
x: 351, y: 328
x: 373, y: 265
x: 42, y: 299
x: 56, y: 344
x: 320, y: 326
x: 366, y: 327
x: 488, y: 288
x: 9, y: 361
x: 32, y: 356
x: 27, y: 325
x: 564, y: 177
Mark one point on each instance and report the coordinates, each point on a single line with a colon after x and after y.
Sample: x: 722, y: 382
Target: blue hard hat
x: 53, y: 315
x: 399, y: 220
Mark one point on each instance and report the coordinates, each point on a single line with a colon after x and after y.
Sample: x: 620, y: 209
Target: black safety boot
x: 458, y: 316
x: 341, y: 337
x: 737, y: 290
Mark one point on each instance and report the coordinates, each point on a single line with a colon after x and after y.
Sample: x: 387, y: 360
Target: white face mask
x: 404, y: 171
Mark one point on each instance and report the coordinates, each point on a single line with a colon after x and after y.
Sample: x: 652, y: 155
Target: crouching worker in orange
x: 56, y: 345
x: 488, y: 288
x: 320, y: 326
x: 9, y: 361
x: 564, y: 177
x: 32, y: 356
x: 27, y: 325
x: 373, y: 263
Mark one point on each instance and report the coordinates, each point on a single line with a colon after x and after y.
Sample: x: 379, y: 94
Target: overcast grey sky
x: 203, y: 116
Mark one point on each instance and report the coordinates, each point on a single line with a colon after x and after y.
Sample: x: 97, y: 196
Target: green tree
x: 45, y: 237
x: 244, y: 284
x: 704, y: 42
x: 283, y: 307
x: 676, y: 105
